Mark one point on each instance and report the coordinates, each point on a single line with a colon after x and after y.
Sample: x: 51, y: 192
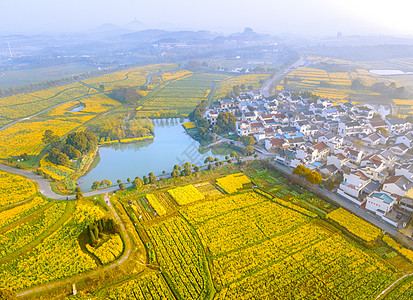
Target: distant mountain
x: 136, y: 25
x: 108, y: 29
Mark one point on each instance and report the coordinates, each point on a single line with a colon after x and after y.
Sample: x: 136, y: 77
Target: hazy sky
x: 316, y: 17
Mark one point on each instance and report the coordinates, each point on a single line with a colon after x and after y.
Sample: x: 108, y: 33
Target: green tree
x: 247, y: 140
x: 152, y: 178
x: 145, y: 180
x: 95, y: 185
x: 208, y: 160
x: 248, y: 150
x: 196, y: 169
x: 122, y: 186
x: 226, y: 122
x: 49, y: 137
x: 57, y: 157
x: 137, y: 183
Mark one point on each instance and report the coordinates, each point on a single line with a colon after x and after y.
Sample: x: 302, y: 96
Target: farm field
x: 57, y: 256
x: 26, y: 136
x: 334, y: 85
x: 182, y: 94
x: 23, y: 105
x: 149, y: 286
x: 14, y: 78
x: 402, y: 291
x: 14, y: 189
x: 130, y: 77
x: 260, y: 247
x: 248, y: 80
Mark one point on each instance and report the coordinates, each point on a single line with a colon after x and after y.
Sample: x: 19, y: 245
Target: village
x: 362, y: 156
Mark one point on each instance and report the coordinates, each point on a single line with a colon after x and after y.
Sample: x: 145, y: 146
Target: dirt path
x: 386, y: 290
x: 68, y: 281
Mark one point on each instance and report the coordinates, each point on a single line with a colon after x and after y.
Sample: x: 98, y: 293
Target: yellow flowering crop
x: 399, y: 248
x: 58, y: 256
x: 154, y: 202
x: 355, y: 225
x: 14, y: 188
x: 109, y: 251
x: 186, y: 194
x: 232, y: 183
x: 189, y: 125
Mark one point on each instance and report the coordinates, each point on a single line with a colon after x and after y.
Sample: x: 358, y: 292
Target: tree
x: 314, y: 177
x: 49, y: 137
x: 83, y: 141
x: 196, y: 169
x: 122, y: 186
x: 57, y: 157
x: 137, y: 183
x: 208, y: 160
x: 248, y: 150
x: 71, y: 152
x: 247, y: 140
x: 216, y: 129
x: 118, y: 181
x: 210, y: 167
x: 79, y: 196
x: 95, y: 185
x: 226, y: 122
x: 145, y: 180
x: 152, y: 178
x: 105, y: 182
x: 128, y: 180
x: 236, y: 90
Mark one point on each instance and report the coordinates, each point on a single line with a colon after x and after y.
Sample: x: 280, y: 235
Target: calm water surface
x: 171, y: 145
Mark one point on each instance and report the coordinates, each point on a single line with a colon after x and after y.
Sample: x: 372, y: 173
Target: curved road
x: 45, y: 188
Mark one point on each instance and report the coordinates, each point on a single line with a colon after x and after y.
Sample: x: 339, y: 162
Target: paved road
x: 349, y: 205
x: 46, y: 190
x: 265, y: 89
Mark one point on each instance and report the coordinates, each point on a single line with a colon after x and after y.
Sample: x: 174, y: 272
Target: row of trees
x: 97, y: 228
x: 312, y: 176
x: 120, y: 128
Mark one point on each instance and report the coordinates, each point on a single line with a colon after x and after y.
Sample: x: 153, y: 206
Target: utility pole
x: 11, y: 55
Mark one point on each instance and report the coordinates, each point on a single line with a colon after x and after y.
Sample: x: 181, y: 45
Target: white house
x: 332, y: 140
x: 352, y: 186
x: 406, y: 139
x: 353, y: 128
x: 406, y: 171
x: 354, y: 156
x: 398, y: 185
x: 338, y: 160
x: 274, y: 144
x: 243, y: 128
x: 398, y: 125
x: 373, y: 139
x: 380, y: 203
x: 319, y: 151
x: 399, y: 149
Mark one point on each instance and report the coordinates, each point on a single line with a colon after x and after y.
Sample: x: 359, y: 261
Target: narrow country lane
x: 68, y: 281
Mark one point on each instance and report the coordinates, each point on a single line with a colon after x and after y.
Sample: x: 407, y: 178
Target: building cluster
x: 367, y: 155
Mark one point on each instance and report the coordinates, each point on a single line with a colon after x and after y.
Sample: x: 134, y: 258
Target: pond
x: 171, y: 145
x: 78, y: 108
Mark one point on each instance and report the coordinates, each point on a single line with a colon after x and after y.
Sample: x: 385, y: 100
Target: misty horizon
x: 299, y: 17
